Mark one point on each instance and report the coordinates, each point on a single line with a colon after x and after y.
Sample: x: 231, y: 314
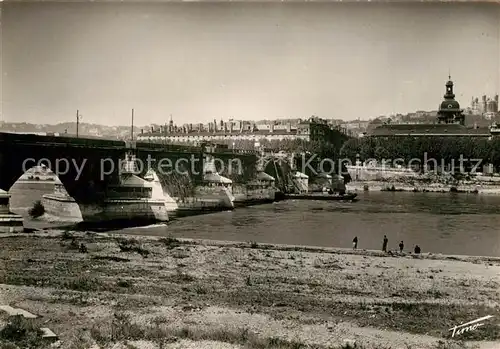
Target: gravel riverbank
x: 146, y: 292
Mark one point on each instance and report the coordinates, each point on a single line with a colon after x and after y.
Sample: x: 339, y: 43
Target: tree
x: 381, y: 153
x: 351, y: 149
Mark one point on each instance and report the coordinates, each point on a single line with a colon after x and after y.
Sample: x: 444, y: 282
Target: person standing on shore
x: 401, y: 246
x: 355, y: 243
x: 384, y: 244
x: 417, y: 249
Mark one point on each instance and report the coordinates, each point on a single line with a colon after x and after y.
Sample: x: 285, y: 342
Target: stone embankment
x: 435, y: 184
x: 434, y: 188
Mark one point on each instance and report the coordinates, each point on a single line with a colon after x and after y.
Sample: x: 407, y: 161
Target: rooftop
x: 218, y: 133
x: 429, y: 129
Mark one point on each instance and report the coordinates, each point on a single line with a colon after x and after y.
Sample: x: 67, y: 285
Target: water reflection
x: 439, y: 223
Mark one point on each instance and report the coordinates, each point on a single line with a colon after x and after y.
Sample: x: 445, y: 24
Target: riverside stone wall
x: 419, y: 187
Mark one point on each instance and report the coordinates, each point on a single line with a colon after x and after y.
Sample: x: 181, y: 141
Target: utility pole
x: 77, y: 122
x: 132, y: 127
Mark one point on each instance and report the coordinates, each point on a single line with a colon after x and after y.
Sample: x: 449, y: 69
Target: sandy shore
x: 145, y: 292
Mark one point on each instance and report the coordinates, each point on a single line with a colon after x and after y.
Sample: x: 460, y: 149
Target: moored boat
x: 323, y: 196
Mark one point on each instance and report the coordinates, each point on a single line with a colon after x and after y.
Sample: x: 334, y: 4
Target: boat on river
x: 327, y: 196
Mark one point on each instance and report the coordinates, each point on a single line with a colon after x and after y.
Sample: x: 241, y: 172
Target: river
x: 465, y: 224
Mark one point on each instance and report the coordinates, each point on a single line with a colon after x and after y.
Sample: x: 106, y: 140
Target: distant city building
x: 486, y: 106
x: 355, y: 128
x: 310, y: 130
x: 449, y: 121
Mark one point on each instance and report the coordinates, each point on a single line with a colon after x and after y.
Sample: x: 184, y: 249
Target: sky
x: 200, y: 61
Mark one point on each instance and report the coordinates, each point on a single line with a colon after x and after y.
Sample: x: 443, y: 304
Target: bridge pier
x: 90, y: 171
x: 9, y: 222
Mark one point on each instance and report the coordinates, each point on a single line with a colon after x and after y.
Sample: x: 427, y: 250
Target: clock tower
x: 449, y: 109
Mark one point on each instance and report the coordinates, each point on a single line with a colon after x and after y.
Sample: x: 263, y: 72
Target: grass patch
x: 111, y: 258
x: 66, y: 235
x: 158, y: 330
x: 417, y: 318
x: 121, y: 328
x: 181, y: 276
x: 199, y: 289
x: 25, y: 280
x: 170, y: 242
x: 22, y: 333
x: 436, y: 319
x: 124, y: 283
x: 83, y: 283
x: 74, y: 245
x: 132, y: 245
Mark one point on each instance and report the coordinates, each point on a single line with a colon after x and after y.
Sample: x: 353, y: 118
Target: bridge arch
x: 37, y: 184
x: 76, y: 162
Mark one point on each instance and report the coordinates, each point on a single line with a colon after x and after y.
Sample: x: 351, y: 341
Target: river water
x: 448, y: 223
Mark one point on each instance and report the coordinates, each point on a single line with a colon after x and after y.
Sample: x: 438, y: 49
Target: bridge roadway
x: 86, y: 166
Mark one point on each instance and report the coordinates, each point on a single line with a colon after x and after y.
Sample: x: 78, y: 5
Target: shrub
x: 132, y: 245
x: 124, y: 283
x: 170, y: 242
x: 21, y: 331
x: 83, y: 284
x: 37, y: 210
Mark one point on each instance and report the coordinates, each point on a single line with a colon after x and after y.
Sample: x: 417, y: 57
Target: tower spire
x: 449, y: 109
x: 171, y: 124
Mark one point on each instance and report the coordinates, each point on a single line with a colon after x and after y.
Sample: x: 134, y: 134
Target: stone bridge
x: 86, y: 167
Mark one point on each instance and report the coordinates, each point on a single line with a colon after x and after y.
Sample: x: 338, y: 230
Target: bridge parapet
x: 56, y: 141
x: 205, y: 147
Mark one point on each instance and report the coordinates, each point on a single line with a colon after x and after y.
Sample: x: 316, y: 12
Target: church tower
x: 171, y: 124
x: 449, y: 109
